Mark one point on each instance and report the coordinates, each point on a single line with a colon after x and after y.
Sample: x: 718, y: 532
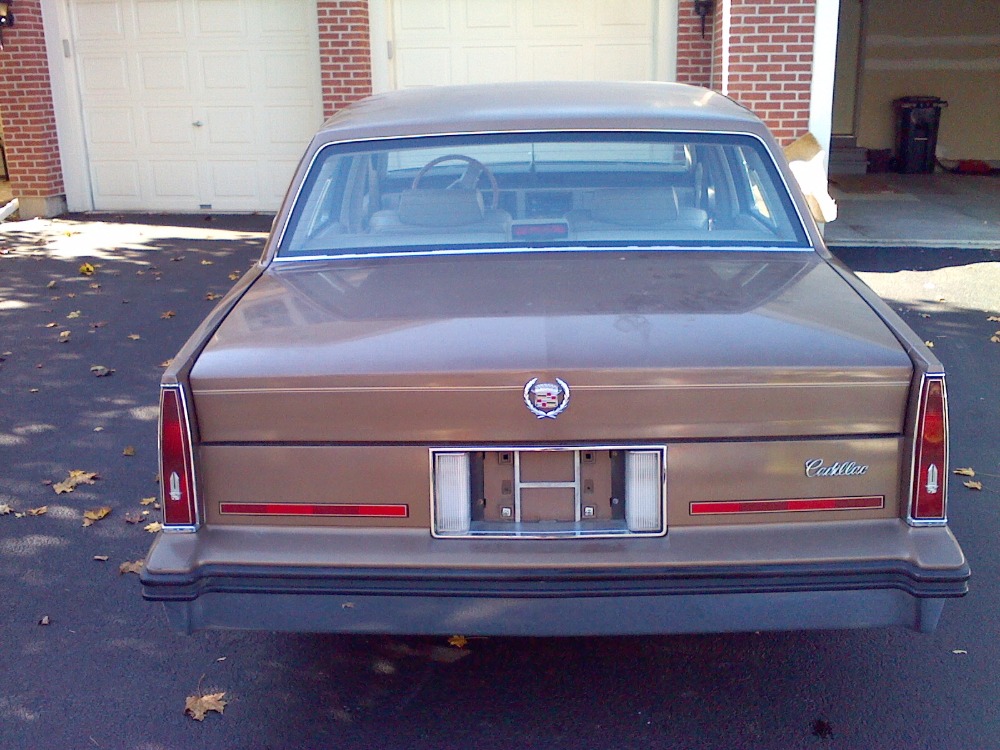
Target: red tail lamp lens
x: 176, y: 468
x: 930, y: 467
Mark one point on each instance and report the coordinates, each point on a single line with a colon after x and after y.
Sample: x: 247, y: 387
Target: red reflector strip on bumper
x: 315, y: 509
x: 723, y: 507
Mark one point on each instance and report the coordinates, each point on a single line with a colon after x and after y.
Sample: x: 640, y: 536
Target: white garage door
x: 437, y: 42
x: 195, y: 104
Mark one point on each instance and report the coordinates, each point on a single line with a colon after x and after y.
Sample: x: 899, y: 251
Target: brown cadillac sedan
x: 551, y: 359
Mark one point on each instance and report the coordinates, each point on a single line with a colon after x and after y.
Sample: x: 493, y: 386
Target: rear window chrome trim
x: 459, y: 251
x: 550, y: 536
x: 287, y: 210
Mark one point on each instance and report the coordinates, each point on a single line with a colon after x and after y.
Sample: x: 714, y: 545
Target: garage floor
x: 925, y: 210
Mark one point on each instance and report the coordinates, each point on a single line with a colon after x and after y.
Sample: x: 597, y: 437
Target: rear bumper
x: 318, y: 581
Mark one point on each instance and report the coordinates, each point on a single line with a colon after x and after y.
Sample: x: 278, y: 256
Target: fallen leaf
x: 168, y: 314
x: 74, y: 314
x: 129, y: 450
x: 5, y: 509
x: 99, y: 324
x: 177, y: 258
x: 64, y: 336
x: 212, y: 296
x: 133, y: 517
x: 235, y: 275
x: 166, y: 362
x: 87, y: 270
x: 100, y: 371
x: 94, y: 286
x: 76, y: 477
x: 208, y: 262
x: 973, y: 485
x: 929, y: 344
x: 98, y: 429
x: 134, y: 337
x: 153, y: 527
x: 46, y: 620
x: 924, y: 315
x: 147, y: 501
x: 969, y: 472
x: 101, y: 558
x: 40, y: 511
x: 51, y: 325
x: 995, y: 338
x: 51, y: 285
x: 959, y: 651
x: 994, y: 319
x: 131, y: 567
x: 71, y: 295
x: 32, y: 390
x: 458, y: 641
x: 197, y: 706
x: 90, y: 517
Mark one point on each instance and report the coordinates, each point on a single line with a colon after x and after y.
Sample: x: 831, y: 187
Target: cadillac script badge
x: 546, y: 400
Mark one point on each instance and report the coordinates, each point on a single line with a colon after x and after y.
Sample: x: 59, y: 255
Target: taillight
x: 929, y: 485
x: 177, y: 488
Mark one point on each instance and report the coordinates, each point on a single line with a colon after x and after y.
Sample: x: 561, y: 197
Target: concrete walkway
x: 924, y: 210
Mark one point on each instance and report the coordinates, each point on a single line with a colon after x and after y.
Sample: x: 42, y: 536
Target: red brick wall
x: 770, y: 61
x: 344, y: 52
x: 694, y: 54
x: 29, y: 121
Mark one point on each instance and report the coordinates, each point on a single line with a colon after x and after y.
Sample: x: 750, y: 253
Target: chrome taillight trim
x: 925, y: 381
x: 661, y: 449
x: 188, y: 459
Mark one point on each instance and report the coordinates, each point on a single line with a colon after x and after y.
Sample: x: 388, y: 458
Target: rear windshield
x: 542, y: 190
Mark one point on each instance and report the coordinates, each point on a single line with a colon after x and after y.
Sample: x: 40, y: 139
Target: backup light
x: 177, y: 487
x: 452, y: 501
x: 643, y: 484
x: 929, y: 483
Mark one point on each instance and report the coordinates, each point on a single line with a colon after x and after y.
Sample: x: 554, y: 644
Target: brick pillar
x: 29, y: 119
x: 694, y: 54
x: 770, y: 55
x: 344, y: 52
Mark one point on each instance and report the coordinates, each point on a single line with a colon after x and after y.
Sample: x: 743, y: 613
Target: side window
x: 760, y: 190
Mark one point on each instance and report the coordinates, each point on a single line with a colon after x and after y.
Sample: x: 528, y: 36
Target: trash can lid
x: 909, y: 102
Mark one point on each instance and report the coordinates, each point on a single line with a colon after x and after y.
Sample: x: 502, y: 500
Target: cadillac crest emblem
x: 546, y: 400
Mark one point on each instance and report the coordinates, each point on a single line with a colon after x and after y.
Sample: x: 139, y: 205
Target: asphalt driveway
x: 103, y: 671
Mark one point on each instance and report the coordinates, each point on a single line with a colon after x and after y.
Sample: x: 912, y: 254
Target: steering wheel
x: 469, y: 178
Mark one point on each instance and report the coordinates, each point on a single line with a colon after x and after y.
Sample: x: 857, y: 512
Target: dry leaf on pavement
x: 39, y: 511
x: 100, y: 371
x: 64, y: 336
x: 74, y: 314
x: 208, y: 262
x: 5, y: 509
x: 87, y: 270
x: 133, y: 517
x: 929, y: 344
x: 212, y: 296
x: 994, y: 319
x: 129, y: 450
x: 147, y: 501
x: 131, y: 567
x: 968, y: 472
x: 133, y: 337
x: 168, y: 314
x: 76, y: 477
x: 46, y: 620
x: 458, y: 641
x: 235, y: 275
x: 153, y: 527
x: 973, y: 484
x: 197, y: 706
x: 101, y: 558
x: 53, y: 324
x: 92, y: 516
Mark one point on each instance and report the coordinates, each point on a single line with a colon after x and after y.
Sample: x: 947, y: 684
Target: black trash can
x: 917, y: 121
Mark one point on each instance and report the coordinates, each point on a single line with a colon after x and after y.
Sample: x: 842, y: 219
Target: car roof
x: 540, y: 106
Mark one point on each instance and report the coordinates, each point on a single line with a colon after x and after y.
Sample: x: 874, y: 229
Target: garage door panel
x: 561, y: 63
x: 164, y: 72
x: 424, y: 15
x: 229, y: 73
x: 277, y: 176
x: 178, y: 94
x: 231, y: 126
x: 118, y: 179
x: 105, y: 73
x: 622, y: 14
x: 424, y: 67
x: 111, y: 127
x: 159, y: 18
x: 174, y: 179
x: 490, y: 65
x: 169, y: 128
x: 551, y: 14
x: 221, y: 17
x: 98, y: 20
x: 499, y: 14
